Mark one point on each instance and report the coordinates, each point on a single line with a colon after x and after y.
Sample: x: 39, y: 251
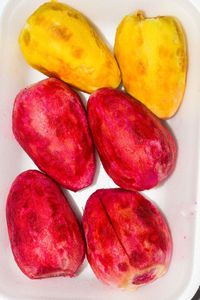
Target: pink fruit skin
x: 136, y: 150
x: 45, y: 235
x: 50, y: 124
x: 128, y: 241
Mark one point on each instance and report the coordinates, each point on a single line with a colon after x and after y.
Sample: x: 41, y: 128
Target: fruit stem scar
x: 140, y: 15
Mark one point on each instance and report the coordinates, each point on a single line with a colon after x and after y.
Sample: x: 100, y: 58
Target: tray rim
x: 194, y: 282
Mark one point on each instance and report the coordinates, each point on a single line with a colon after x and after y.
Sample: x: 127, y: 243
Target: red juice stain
x: 138, y: 259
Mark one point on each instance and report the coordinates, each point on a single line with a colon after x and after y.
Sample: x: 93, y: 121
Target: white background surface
x: 178, y: 197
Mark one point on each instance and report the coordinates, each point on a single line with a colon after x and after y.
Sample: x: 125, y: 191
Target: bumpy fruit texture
x: 151, y: 53
x: 50, y: 124
x: 45, y: 236
x: 58, y: 41
x: 128, y: 241
x: 136, y: 150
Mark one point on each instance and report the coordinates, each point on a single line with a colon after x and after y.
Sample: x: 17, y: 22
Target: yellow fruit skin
x: 151, y: 53
x: 58, y: 41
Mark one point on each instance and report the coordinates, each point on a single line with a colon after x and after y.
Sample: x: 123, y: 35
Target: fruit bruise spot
x: 141, y: 69
x: 138, y: 259
x: 17, y: 239
x: 39, y: 191
x: 62, y: 7
x: 164, y: 52
x: 61, y: 127
x: 59, y: 131
x: 123, y: 267
x: 142, y: 129
x: 161, y: 242
x: 108, y: 64
x: 62, y: 230
x: 55, y: 29
x: 124, y: 204
x: 56, y: 6
x: 77, y: 52
x: 144, y: 278
x: 106, y: 236
x: 55, y: 207
x: 26, y: 37
x: 145, y: 212
x: 34, y: 222
x: 73, y: 14
x: 61, y: 32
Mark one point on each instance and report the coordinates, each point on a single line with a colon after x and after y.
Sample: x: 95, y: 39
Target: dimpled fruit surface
x: 50, y: 124
x: 152, y: 56
x: 45, y: 236
x: 128, y: 241
x: 59, y: 41
x: 135, y: 148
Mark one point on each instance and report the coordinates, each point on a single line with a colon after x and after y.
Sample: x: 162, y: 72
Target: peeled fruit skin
x: 128, y: 241
x: 136, y: 150
x: 152, y: 56
x: 50, y: 124
x: 58, y: 41
x: 45, y: 235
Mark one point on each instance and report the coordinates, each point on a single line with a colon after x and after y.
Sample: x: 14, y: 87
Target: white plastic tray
x: 178, y: 197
